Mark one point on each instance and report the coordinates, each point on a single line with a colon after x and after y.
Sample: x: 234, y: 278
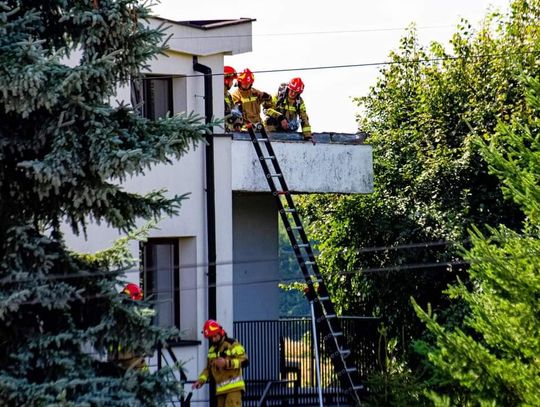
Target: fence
x: 283, y: 350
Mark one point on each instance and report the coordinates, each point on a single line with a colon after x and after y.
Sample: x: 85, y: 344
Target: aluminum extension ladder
x: 316, y: 291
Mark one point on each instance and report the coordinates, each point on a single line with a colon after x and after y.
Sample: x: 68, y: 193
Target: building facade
x: 218, y: 257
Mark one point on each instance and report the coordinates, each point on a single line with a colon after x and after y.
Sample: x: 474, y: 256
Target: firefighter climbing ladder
x: 316, y: 291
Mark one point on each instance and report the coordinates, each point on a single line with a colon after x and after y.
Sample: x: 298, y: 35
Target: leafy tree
x: 63, y: 152
x: 292, y: 301
x: 494, y: 359
x: 423, y: 116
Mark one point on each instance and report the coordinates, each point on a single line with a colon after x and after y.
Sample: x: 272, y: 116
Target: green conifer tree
x: 64, y: 150
x: 494, y: 360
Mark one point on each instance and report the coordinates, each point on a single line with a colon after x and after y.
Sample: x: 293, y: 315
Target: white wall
x: 320, y: 168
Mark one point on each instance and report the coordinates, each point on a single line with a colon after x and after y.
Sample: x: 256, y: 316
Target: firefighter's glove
x: 236, y: 113
x: 293, y: 125
x: 197, y: 385
x: 284, y: 124
x: 220, y: 363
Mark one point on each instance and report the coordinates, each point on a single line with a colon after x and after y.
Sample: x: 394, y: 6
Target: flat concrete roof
x: 326, y: 137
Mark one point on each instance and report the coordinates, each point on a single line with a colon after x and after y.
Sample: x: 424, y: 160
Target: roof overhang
x: 208, y: 37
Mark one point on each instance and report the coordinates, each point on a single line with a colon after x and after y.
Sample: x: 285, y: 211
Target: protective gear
x: 296, y: 85
x: 226, y: 359
x: 290, y: 109
x: 212, y: 328
x: 229, y: 75
x: 220, y: 363
x: 245, y: 79
x: 293, y: 125
x: 250, y: 101
x: 236, y: 113
x: 134, y: 291
x: 229, y: 71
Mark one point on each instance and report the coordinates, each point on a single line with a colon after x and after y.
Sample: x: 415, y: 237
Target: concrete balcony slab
x: 337, y: 163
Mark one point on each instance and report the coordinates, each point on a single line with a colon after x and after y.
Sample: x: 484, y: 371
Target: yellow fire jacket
x: 290, y: 110
x: 250, y: 101
x: 229, y: 378
x: 229, y: 104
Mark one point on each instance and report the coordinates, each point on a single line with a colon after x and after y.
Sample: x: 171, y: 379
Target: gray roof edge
x: 208, y: 24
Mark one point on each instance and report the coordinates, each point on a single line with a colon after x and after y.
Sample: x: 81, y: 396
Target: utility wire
x: 373, y: 270
x: 94, y: 274
x: 433, y: 266
x: 346, y: 66
x: 295, y: 34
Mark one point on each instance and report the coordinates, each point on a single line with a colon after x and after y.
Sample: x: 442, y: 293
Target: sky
x: 293, y: 34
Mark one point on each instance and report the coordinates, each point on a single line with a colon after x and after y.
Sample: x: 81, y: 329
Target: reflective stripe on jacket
x: 250, y: 100
x: 289, y: 110
x: 229, y: 104
x: 230, y: 377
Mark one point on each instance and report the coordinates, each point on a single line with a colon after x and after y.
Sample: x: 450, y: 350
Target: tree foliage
x: 423, y: 116
x: 64, y: 151
x: 494, y: 359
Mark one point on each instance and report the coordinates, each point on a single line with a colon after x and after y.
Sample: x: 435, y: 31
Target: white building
x: 240, y: 232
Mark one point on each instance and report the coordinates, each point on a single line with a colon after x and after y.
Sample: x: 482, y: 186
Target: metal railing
x: 279, y: 349
x: 166, y: 357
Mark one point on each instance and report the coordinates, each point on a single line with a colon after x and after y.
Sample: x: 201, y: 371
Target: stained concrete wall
x: 255, y: 250
x: 308, y: 168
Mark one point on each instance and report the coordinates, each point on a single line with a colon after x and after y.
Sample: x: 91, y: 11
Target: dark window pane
x: 152, y: 98
x: 161, y: 281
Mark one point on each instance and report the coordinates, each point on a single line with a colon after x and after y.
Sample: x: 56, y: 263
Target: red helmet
x: 246, y: 78
x: 212, y: 328
x: 296, y: 85
x: 229, y: 71
x: 134, y: 291
x: 229, y: 75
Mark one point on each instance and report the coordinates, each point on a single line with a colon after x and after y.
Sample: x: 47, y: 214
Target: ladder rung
x: 358, y: 387
x: 347, y: 370
x: 309, y: 263
x: 264, y: 140
x: 302, y: 245
x: 325, y: 298
x: 289, y: 210
x: 297, y: 228
x: 274, y: 175
x: 345, y: 352
x: 330, y: 315
x: 270, y: 157
x: 281, y: 193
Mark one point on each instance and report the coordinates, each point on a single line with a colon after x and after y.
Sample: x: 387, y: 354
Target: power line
x: 347, y: 66
x: 433, y: 266
x: 127, y: 269
x: 298, y: 33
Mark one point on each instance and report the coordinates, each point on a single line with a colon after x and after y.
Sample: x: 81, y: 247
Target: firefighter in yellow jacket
x: 226, y: 358
x: 287, y: 109
x: 248, y: 99
x: 233, y: 116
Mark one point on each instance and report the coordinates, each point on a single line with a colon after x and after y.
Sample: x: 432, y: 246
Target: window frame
x: 147, y: 279
x: 142, y: 88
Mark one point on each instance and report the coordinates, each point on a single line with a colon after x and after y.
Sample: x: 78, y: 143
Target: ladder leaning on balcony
x: 316, y: 292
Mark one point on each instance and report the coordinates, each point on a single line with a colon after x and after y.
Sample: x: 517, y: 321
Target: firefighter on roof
x: 288, y: 110
x: 248, y: 99
x: 233, y: 116
x: 226, y: 358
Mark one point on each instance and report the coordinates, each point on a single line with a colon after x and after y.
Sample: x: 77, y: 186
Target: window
x: 161, y: 279
x: 152, y: 97
x: 169, y: 277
